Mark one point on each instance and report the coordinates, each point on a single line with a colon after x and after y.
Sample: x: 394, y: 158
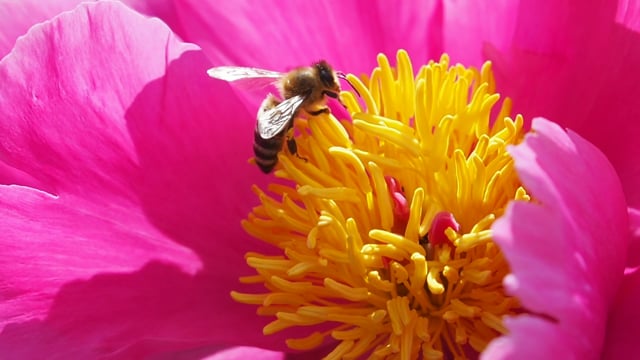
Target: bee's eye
x: 326, y: 75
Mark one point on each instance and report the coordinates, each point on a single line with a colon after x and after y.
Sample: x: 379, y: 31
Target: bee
x: 303, y: 88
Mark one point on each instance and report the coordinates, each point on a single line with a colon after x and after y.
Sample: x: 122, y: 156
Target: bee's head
x: 328, y: 78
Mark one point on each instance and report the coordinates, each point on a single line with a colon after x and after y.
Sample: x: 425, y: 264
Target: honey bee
x: 303, y: 88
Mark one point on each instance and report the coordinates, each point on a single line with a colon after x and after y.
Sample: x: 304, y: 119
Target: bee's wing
x: 272, y: 121
x: 244, y: 76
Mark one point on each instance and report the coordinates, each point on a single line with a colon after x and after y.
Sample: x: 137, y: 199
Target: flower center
x: 383, y: 234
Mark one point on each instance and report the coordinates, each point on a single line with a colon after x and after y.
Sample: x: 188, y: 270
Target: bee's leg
x: 324, y: 110
x: 293, y: 148
x: 335, y: 96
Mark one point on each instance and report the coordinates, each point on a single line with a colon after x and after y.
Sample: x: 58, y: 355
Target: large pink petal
x: 242, y: 353
x: 140, y: 245
x: 628, y: 14
x: 280, y: 34
x: 9, y: 175
x: 577, y: 65
x: 468, y: 26
x: 567, y: 248
x: 624, y: 317
x: 16, y: 17
x: 530, y: 337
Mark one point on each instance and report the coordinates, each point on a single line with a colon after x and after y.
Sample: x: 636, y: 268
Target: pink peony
x: 127, y: 178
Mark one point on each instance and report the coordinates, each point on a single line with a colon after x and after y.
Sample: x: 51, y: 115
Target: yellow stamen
x: 355, y: 254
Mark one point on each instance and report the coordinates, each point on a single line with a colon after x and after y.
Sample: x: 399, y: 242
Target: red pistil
x: 441, y: 222
x: 400, y: 203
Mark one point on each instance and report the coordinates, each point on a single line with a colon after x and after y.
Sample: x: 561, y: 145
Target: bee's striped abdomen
x: 266, y: 150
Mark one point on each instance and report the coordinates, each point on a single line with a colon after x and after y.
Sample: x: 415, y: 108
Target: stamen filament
x: 383, y: 235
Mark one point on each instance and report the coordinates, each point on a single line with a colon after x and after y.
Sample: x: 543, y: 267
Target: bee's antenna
x: 343, y: 76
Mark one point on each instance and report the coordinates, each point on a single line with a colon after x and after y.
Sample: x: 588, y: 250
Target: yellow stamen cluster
x: 369, y: 280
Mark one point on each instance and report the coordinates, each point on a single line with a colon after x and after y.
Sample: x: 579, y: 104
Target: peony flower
x: 127, y: 182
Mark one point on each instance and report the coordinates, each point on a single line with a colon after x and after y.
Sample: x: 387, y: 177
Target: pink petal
x: 137, y: 251
x: 633, y: 256
x: 624, y: 319
x: 16, y: 17
x: 9, y: 175
x: 530, y: 337
x: 628, y: 14
x: 577, y: 64
x: 469, y: 25
x: 567, y: 248
x: 281, y: 34
x: 243, y: 352
x: 166, y: 10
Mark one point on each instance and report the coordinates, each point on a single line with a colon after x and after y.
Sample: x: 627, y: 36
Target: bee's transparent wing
x: 272, y: 121
x: 249, y: 78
